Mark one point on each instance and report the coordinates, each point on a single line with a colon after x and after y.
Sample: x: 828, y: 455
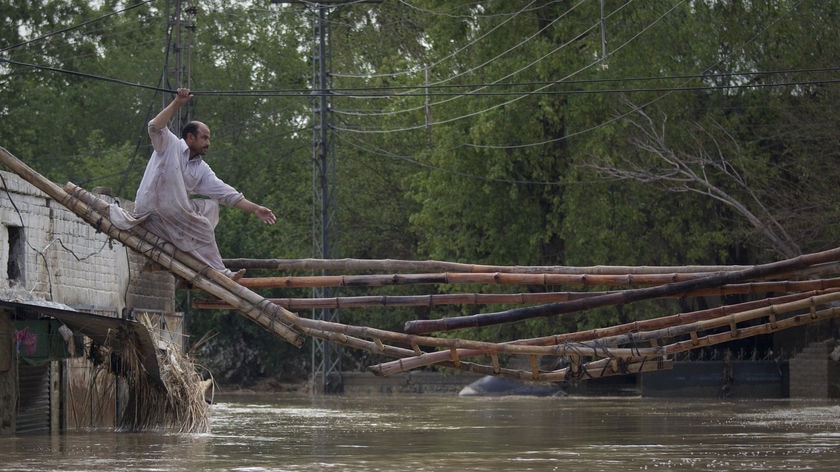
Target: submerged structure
x: 75, y: 313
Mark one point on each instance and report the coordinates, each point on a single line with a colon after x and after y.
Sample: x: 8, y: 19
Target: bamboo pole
x: 273, y: 318
x: 770, y: 327
x: 732, y: 320
x: 410, y: 300
x: 488, y: 278
x: 398, y: 265
x: 617, y: 366
x: 615, y: 360
x: 603, y: 335
x: 666, y: 321
x: 379, y: 335
x: 581, y: 371
x: 752, y: 288
x: 622, y: 297
x: 268, y: 315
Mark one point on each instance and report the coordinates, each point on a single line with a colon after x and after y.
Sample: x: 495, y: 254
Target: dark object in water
x: 492, y: 386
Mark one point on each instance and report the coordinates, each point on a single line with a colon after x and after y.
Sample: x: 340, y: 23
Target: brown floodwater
x: 441, y: 433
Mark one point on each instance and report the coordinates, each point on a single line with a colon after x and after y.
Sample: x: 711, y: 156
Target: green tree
x: 56, y: 114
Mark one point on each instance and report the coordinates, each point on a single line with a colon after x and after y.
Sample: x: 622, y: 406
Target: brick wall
x: 64, y: 259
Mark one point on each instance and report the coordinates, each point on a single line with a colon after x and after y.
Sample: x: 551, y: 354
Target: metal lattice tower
x: 326, y: 356
x: 181, y: 15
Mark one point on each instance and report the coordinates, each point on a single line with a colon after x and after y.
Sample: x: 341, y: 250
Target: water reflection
x: 451, y: 433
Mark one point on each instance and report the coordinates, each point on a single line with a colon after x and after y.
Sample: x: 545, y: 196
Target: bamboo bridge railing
x: 786, y: 294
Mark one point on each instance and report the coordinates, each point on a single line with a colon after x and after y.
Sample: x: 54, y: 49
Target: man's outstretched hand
x: 266, y: 215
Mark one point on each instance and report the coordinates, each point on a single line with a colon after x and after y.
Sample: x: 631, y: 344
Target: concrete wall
x: 814, y: 374
x: 63, y: 259
x: 413, y: 382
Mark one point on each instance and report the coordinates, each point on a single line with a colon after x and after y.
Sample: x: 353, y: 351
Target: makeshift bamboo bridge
x: 784, y: 295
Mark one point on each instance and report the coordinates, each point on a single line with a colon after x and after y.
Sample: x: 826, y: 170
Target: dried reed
x: 175, y: 403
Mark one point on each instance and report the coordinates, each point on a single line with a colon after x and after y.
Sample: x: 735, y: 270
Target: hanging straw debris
x: 178, y: 404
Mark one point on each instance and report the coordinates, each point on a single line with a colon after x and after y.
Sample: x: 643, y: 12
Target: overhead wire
x: 520, y: 96
x: 666, y: 91
x: 473, y: 14
x: 84, y: 75
x: 541, y: 89
x: 378, y: 151
x: 381, y: 92
x: 632, y: 109
x: 457, y: 51
x: 74, y: 27
x: 424, y: 90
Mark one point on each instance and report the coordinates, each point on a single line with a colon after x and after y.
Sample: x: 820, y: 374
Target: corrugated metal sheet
x: 33, y: 411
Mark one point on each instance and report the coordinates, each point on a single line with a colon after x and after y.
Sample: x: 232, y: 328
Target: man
x: 177, y: 171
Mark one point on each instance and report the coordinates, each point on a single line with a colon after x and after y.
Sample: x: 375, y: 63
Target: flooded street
x: 442, y: 433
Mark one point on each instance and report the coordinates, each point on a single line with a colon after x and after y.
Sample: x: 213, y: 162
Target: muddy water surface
x: 438, y: 433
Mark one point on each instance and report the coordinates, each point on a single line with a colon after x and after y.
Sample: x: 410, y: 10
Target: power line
x: 366, y: 147
x: 666, y: 91
x: 634, y: 108
x: 447, y: 57
x: 536, y: 61
x: 84, y: 75
x: 473, y: 14
x: 384, y: 92
x: 488, y: 89
x: 71, y: 28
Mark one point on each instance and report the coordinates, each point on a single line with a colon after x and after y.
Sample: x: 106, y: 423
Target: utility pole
x: 326, y: 356
x: 181, y: 15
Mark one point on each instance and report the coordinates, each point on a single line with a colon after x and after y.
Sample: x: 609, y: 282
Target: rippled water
x: 437, y: 433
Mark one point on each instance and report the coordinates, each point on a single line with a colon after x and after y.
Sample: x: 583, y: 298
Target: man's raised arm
x: 182, y: 96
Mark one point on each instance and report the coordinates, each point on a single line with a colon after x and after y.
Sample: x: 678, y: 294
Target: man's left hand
x: 266, y: 215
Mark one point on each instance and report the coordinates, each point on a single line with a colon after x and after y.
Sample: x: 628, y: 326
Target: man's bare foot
x: 237, y: 275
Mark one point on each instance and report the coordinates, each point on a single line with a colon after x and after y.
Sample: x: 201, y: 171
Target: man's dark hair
x: 190, y: 128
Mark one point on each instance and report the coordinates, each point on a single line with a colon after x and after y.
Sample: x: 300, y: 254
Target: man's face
x: 199, y: 142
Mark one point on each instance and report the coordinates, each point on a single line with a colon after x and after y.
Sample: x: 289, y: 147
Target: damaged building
x: 70, y: 298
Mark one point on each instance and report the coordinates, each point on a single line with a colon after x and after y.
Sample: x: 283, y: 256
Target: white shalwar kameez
x: 163, y: 198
